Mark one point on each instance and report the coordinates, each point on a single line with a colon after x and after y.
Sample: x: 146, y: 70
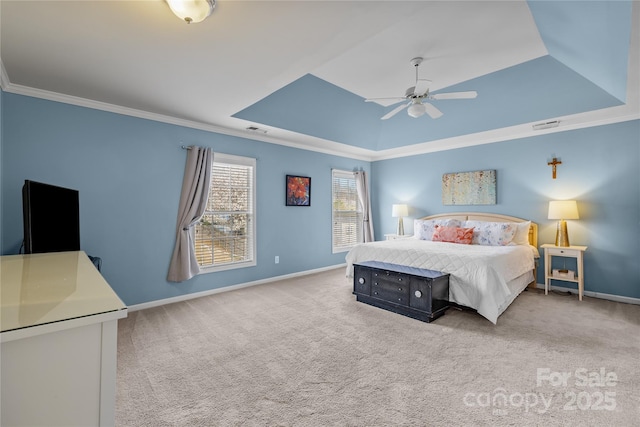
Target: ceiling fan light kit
x: 192, y: 11
x: 416, y: 109
x: 417, y: 94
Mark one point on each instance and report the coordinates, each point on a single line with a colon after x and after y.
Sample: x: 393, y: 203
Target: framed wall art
x: 298, y: 190
x: 469, y: 188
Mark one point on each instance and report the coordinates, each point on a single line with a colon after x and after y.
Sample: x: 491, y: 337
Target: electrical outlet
x: 277, y: 259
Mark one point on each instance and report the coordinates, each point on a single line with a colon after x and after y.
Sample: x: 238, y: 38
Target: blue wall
x: 129, y: 174
x: 599, y: 169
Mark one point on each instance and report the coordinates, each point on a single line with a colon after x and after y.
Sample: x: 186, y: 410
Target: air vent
x: 255, y: 129
x: 546, y: 125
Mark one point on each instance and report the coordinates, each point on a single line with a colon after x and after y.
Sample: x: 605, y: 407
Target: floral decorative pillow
x: 453, y: 234
x: 423, y: 228
x: 492, y: 233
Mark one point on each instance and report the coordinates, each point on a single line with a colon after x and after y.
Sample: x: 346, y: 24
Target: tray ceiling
x: 300, y: 70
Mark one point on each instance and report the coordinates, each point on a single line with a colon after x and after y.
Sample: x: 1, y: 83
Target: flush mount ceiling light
x: 192, y: 10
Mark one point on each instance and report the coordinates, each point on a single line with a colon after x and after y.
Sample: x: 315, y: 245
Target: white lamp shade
x: 563, y: 209
x: 192, y: 10
x: 399, y: 210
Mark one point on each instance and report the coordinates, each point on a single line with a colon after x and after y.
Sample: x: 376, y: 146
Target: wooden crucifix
x: 554, y: 163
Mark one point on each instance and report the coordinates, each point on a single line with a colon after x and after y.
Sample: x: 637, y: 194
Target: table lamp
x: 399, y: 211
x: 561, y: 210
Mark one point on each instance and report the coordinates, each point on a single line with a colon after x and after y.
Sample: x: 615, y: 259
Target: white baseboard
x: 157, y: 303
x: 610, y: 297
x: 186, y: 297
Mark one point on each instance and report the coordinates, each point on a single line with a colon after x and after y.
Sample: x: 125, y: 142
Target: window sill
x: 234, y: 266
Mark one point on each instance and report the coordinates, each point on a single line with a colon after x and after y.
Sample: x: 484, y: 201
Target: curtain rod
x: 184, y: 147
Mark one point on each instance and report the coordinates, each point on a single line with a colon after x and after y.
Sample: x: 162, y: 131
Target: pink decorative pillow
x: 453, y: 235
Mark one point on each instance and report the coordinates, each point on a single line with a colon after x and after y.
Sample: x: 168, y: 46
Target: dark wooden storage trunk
x: 415, y: 292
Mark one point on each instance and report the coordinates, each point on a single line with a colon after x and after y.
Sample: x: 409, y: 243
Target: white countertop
x: 39, y: 289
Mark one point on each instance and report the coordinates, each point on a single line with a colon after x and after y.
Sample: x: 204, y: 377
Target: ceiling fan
x: 416, y: 96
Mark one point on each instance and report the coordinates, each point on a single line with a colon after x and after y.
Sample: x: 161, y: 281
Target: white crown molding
x: 304, y: 142
x: 289, y: 139
x: 577, y: 121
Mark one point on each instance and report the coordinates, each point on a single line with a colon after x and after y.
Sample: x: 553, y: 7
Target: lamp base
x: 562, y: 235
x: 400, y: 231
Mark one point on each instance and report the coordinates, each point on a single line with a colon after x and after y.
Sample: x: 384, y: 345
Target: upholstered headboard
x: 483, y: 216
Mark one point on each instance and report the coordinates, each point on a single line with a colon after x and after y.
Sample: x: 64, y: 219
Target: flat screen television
x: 51, y: 218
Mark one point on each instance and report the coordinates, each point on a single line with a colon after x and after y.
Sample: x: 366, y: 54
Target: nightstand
x: 397, y: 236
x: 576, y: 252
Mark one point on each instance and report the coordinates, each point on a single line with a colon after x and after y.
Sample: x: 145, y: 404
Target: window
x: 225, y: 235
x: 347, y: 214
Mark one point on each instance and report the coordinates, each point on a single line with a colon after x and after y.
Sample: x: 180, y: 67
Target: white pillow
x: 492, y: 233
x: 423, y: 228
x: 522, y: 233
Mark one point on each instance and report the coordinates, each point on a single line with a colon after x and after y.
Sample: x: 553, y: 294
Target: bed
x: 486, y: 275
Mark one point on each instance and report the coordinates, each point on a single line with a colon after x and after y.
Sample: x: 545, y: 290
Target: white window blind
x: 225, y: 235
x: 346, y: 212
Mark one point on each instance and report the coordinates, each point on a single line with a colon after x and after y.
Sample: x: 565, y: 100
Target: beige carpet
x: 303, y: 352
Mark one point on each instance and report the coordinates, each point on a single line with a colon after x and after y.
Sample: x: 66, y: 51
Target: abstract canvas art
x: 469, y: 188
x: 298, y: 191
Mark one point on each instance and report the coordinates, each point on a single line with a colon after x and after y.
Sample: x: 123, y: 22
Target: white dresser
x: 58, y: 344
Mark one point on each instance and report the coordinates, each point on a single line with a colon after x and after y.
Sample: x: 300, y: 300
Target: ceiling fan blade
x: 394, y: 111
x: 395, y: 98
x: 422, y: 86
x: 455, y: 95
x: 432, y: 111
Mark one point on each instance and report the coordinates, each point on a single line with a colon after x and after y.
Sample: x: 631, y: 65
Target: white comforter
x: 479, y: 274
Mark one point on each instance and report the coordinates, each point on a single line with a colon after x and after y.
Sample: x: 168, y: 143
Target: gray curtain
x: 362, y: 189
x: 193, y: 202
